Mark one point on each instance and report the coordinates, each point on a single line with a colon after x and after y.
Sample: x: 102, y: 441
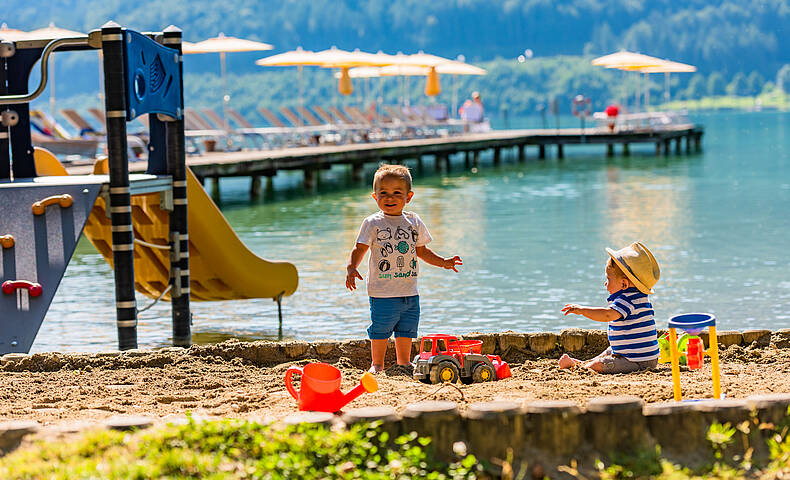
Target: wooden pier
x: 266, y: 163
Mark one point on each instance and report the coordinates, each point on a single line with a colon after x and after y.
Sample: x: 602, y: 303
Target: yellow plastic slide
x: 221, y: 267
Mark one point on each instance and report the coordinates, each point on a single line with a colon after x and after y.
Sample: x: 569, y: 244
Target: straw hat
x: 638, y: 264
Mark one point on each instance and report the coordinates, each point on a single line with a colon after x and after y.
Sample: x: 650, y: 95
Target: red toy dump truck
x: 444, y: 358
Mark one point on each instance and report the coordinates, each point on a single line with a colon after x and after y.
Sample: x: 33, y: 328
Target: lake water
x: 532, y: 237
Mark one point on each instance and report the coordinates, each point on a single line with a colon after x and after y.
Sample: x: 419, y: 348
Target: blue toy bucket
x: 693, y: 323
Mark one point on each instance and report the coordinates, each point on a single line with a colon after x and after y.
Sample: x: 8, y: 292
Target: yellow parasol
x: 12, y: 34
x: 668, y: 68
x: 222, y: 44
x: 625, y: 60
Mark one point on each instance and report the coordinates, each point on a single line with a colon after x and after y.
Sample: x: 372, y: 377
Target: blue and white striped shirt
x: 633, y: 336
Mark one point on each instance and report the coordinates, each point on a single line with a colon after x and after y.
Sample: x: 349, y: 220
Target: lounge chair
x: 325, y: 116
x: 292, y: 117
x: 340, y: 116
x: 272, y: 118
x: 246, y: 138
x: 309, y: 117
x: 75, y: 120
x: 270, y: 136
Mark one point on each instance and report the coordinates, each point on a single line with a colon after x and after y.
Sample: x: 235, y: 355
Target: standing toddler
x: 396, y: 239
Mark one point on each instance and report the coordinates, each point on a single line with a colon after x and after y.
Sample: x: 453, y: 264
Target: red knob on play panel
x: 33, y: 288
x: 64, y: 201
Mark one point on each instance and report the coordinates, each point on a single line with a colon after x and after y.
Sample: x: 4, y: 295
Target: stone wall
x: 512, y: 346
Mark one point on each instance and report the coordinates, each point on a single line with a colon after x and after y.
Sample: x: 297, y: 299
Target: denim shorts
x: 399, y: 315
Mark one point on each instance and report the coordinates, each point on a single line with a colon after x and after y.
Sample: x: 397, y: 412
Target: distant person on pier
x: 397, y: 239
x: 631, y: 273
x: 472, y: 109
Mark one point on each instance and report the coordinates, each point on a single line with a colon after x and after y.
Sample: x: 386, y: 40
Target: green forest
x: 736, y: 45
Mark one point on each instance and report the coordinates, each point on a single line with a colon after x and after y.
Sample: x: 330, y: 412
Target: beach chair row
x: 292, y: 127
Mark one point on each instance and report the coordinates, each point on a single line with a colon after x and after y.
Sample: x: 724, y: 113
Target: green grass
x: 233, y: 449
x: 237, y: 449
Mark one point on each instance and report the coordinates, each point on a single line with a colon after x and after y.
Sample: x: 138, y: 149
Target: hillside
x: 738, y: 41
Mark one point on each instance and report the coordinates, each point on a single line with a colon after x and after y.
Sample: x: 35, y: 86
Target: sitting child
x: 631, y: 273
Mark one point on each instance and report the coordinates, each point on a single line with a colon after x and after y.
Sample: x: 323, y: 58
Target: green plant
x: 235, y: 449
x: 720, y: 437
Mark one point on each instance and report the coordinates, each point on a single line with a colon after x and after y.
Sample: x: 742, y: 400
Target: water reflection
x: 532, y: 237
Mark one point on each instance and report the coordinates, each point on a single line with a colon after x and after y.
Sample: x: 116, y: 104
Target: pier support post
x: 476, y: 159
x: 609, y: 150
x: 677, y: 145
x: 497, y: 156
x: 357, y: 171
x: 560, y: 152
x: 120, y: 200
x: 522, y: 152
x: 255, y: 186
x: 697, y: 141
x: 667, y: 146
x: 541, y: 151
x: 688, y: 143
x: 626, y: 149
x: 467, y: 159
x: 658, y: 148
x: 309, y: 179
x: 179, y: 233
x: 215, y: 189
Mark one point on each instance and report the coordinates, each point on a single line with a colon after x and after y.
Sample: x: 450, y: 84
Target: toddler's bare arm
x: 357, y: 254
x: 429, y: 256
x: 599, y: 314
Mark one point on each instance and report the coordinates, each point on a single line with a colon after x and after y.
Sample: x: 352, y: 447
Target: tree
x: 715, y: 84
x: 783, y: 78
x: 696, y: 87
x: 754, y: 83
x: 738, y: 85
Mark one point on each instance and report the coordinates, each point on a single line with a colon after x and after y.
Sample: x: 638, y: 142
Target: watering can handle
x: 288, y: 385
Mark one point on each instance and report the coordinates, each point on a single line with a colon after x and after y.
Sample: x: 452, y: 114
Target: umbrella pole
x: 666, y: 87
x: 454, y: 111
x: 301, y: 97
x: 225, y: 97
x: 647, y: 91
x: 101, y: 78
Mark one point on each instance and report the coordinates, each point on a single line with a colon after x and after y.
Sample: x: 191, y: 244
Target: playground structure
x: 693, y: 324
x: 137, y: 222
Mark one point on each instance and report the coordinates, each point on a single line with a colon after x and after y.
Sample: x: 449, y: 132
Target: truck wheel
x: 444, y: 372
x: 483, y: 373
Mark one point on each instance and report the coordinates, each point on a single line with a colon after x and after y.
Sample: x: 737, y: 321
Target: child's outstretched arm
x: 599, y: 314
x: 357, y: 254
x: 429, y: 256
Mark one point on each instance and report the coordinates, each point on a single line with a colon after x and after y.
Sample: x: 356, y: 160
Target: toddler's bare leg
x: 378, y: 348
x: 403, y: 350
x: 566, y: 361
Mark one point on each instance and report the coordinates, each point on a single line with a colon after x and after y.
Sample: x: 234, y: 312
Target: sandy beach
x: 226, y: 380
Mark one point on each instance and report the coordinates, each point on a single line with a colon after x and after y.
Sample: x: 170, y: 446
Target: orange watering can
x: 320, y: 390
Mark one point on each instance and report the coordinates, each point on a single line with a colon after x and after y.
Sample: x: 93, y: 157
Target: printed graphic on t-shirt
x: 393, y: 266
x: 405, y: 241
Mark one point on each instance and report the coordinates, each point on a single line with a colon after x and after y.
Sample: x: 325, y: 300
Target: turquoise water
x: 532, y: 237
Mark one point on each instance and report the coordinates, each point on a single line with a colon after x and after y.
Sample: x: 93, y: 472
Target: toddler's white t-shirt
x: 393, y: 265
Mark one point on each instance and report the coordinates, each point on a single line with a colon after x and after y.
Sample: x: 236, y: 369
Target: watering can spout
x: 367, y: 384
